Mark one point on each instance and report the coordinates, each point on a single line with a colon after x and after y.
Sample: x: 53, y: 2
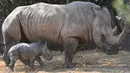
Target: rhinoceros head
x: 46, y: 53
x: 109, y: 47
x: 108, y: 41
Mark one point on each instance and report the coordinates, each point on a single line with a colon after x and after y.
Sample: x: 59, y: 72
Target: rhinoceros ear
x: 114, y: 31
x: 46, y: 43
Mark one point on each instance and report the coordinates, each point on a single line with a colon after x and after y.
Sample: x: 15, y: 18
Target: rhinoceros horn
x: 121, y: 36
x: 114, y: 31
x: 46, y: 43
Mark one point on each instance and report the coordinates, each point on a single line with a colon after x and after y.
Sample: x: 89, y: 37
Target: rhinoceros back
x: 43, y: 20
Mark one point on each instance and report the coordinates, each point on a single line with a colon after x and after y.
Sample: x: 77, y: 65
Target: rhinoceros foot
x: 68, y: 65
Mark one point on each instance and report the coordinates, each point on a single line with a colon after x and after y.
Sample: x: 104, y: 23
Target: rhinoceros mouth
x: 111, y: 52
x: 110, y: 49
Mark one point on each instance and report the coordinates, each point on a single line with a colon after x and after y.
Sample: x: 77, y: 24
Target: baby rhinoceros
x: 28, y: 53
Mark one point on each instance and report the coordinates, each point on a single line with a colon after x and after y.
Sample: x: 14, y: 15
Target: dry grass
x: 85, y: 61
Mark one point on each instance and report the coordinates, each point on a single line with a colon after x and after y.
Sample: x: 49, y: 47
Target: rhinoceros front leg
x: 70, y: 46
x: 40, y: 61
x: 32, y: 64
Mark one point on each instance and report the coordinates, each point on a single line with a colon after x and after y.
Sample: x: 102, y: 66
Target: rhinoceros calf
x: 28, y: 53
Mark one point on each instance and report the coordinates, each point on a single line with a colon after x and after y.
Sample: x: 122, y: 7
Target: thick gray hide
x: 68, y: 25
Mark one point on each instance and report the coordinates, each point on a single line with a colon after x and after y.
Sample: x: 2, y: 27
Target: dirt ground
x: 91, y: 61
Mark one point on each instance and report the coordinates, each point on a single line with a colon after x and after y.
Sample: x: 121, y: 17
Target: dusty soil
x: 86, y: 61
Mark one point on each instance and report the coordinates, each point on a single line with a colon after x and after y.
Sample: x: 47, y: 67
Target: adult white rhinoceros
x: 68, y: 25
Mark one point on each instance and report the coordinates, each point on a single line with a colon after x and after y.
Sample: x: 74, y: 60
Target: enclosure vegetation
x: 123, y: 9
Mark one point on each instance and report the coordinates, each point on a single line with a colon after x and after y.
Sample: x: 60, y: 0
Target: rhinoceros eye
x: 113, y: 46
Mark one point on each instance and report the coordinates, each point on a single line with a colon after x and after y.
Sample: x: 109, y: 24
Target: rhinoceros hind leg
x: 70, y: 46
x: 13, y: 60
x: 9, y: 42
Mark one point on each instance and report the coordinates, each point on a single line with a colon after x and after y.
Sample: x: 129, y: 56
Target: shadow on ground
x: 89, y: 61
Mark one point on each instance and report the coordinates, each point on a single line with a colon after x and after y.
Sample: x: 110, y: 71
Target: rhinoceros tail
x: 11, y: 27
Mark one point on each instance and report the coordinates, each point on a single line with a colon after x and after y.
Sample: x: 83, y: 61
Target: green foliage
x: 123, y: 10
